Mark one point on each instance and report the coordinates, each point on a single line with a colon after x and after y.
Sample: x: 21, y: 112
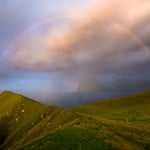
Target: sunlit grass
x: 121, y: 124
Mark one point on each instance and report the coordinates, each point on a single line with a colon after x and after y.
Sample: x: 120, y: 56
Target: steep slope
x: 93, y: 133
x: 7, y: 101
x: 134, y: 108
x: 26, y: 124
x: 88, y: 130
x: 18, y: 114
x: 49, y: 124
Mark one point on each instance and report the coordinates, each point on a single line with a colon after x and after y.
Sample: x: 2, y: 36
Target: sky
x: 68, y: 53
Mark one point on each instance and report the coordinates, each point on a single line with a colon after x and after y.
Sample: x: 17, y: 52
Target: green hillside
x: 18, y: 114
x: 133, y: 109
x: 116, y: 124
x: 94, y: 133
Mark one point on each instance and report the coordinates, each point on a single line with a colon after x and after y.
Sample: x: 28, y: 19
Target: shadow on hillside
x: 4, y: 129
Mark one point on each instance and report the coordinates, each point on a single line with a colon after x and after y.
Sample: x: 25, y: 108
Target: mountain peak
x: 6, y: 92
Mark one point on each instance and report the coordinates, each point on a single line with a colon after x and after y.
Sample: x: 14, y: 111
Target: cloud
x: 105, y: 47
x: 98, y: 32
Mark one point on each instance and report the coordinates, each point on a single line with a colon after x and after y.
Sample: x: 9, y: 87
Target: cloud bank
x: 102, y: 30
x: 105, y: 47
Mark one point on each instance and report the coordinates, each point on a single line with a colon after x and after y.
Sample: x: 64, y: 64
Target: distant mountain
x: 121, y: 123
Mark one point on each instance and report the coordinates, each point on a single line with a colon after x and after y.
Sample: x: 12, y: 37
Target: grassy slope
x: 98, y: 126
x: 134, y: 108
x: 90, y: 130
x: 19, y: 114
x: 93, y: 133
x: 49, y: 124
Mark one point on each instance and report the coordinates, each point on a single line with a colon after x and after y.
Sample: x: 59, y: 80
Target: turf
x: 133, y: 109
x: 115, y: 124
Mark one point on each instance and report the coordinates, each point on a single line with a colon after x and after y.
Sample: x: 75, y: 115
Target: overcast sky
x: 73, y: 52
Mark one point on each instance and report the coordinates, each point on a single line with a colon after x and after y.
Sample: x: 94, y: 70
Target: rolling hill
x: 121, y: 124
x: 134, y: 108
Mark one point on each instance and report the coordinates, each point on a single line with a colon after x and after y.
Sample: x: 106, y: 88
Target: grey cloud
x: 99, y: 35
x: 104, y: 48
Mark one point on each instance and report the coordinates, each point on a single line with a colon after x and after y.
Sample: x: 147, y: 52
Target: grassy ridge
x: 94, y: 133
x: 135, y: 108
x: 50, y: 123
x: 105, y: 125
x: 19, y: 114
